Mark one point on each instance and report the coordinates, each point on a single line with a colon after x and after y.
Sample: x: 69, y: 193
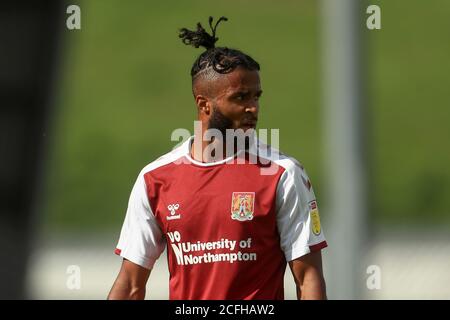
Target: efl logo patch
x: 315, y: 219
x: 242, y: 206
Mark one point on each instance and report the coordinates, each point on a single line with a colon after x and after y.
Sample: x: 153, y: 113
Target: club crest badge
x: 242, y: 206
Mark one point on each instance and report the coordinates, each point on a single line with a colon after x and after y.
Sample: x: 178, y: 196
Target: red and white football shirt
x: 229, y: 229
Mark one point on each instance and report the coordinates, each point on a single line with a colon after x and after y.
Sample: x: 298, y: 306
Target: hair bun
x: 201, y: 38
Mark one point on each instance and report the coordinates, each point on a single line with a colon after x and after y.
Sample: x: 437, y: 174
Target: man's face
x: 236, y: 100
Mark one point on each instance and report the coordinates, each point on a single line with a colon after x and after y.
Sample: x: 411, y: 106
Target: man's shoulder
x: 294, y: 172
x: 170, y: 157
x: 278, y: 157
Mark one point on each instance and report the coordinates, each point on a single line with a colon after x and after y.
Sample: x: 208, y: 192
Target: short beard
x: 220, y: 122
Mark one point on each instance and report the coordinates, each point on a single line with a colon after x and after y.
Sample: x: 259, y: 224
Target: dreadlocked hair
x: 217, y: 59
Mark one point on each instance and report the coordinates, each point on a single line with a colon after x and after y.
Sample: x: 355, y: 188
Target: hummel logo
x: 173, y: 208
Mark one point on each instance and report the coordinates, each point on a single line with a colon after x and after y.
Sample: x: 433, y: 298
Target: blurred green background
x: 125, y: 86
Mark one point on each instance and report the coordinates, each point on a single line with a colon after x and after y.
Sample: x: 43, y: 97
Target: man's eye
x: 242, y: 96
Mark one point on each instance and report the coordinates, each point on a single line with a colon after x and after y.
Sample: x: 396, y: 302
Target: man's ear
x: 203, y: 104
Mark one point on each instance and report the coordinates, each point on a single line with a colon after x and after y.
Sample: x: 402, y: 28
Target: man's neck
x: 201, y: 150
x: 204, y: 150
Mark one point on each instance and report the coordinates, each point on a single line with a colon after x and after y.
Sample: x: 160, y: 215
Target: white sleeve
x: 141, y: 239
x: 298, y: 219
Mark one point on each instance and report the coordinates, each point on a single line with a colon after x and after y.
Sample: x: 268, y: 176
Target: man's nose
x: 252, y: 107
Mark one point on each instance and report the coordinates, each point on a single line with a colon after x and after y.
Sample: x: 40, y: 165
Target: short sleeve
x: 141, y: 239
x: 298, y: 218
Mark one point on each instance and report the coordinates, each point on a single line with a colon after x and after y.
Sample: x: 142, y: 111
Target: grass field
x: 125, y: 86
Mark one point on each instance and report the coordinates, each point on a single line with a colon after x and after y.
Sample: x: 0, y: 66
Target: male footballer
x: 229, y: 229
